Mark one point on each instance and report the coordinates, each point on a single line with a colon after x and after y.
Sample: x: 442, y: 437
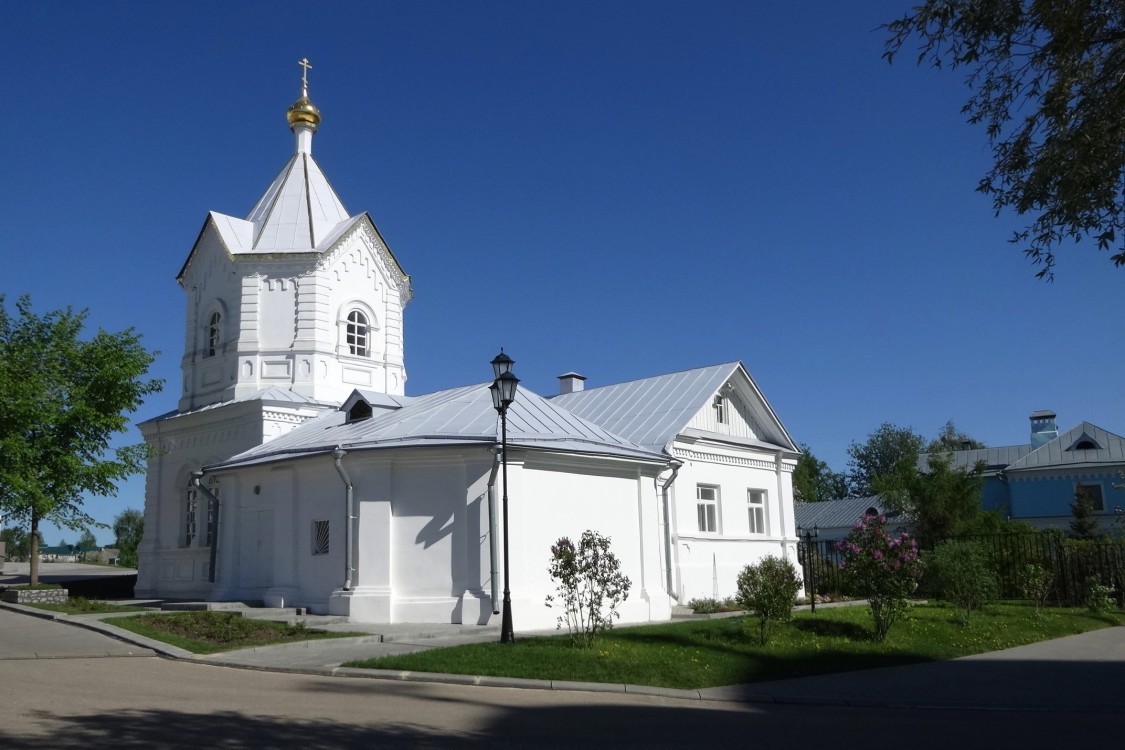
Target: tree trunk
x: 33, y: 546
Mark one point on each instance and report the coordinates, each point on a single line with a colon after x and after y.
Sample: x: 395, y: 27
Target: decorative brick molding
x: 34, y: 596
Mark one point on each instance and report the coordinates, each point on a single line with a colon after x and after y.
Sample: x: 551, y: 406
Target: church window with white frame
x: 756, y: 509
x: 720, y: 409
x: 707, y: 507
x: 357, y: 334
x: 214, y: 333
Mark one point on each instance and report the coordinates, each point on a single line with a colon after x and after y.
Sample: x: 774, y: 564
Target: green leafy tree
x: 952, y: 439
x: 63, y: 398
x: 86, y: 544
x: 814, y: 481
x: 940, y: 503
x: 128, y: 528
x: 1084, y: 521
x: 885, y: 451
x: 962, y: 574
x: 768, y: 590
x: 16, y: 543
x: 1045, y: 81
x: 1035, y: 583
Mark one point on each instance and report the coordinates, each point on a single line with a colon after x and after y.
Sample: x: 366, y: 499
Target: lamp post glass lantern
x: 503, y: 391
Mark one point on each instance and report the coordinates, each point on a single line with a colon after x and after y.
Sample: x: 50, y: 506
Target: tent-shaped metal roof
x: 456, y: 416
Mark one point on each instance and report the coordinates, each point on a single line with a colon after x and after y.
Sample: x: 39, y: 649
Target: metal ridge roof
x: 455, y: 416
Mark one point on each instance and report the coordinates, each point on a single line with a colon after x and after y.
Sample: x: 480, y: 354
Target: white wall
x: 708, y: 563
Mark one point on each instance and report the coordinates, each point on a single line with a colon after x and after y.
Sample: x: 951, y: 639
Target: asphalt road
x: 105, y: 700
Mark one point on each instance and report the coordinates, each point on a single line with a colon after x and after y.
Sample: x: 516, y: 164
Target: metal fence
x: 1072, y: 563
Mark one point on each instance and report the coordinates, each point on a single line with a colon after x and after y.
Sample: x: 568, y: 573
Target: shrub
x: 589, y: 584
x: 1098, y: 597
x: 704, y: 606
x: 768, y: 591
x: 882, y: 568
x: 1035, y: 583
x: 961, y: 574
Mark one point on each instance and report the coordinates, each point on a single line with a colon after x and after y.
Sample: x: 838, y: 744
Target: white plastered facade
x: 418, y: 542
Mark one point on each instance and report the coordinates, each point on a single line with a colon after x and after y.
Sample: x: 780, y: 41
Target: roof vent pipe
x: 571, y: 382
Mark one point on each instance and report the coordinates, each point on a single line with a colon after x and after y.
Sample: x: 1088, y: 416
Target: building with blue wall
x: 1036, y: 483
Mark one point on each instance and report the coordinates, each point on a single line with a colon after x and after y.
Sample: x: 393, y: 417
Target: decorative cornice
x: 719, y: 458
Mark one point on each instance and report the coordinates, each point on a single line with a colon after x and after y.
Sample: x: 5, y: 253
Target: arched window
x: 357, y: 334
x: 214, y: 327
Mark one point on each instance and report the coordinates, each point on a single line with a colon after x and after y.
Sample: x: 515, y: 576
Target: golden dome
x: 303, y: 111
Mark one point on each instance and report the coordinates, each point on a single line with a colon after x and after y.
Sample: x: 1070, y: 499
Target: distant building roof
x: 837, y: 514
x: 1085, y: 445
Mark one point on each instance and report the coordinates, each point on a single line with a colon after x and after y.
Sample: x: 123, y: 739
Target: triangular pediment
x: 1083, y: 445
x: 654, y: 412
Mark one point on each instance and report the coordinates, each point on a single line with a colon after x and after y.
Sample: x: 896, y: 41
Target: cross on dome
x: 303, y: 115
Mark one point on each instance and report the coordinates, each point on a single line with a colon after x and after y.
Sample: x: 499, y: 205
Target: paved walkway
x: 1078, y: 673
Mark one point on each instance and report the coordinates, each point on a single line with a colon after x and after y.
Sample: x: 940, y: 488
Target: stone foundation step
x: 682, y: 610
x: 254, y: 611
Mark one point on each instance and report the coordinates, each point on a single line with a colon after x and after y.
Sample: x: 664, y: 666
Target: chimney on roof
x: 571, y: 382
x: 1043, y: 428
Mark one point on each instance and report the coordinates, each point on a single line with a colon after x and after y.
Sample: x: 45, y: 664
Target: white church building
x: 295, y: 471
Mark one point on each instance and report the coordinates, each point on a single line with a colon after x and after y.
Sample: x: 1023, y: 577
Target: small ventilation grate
x: 320, y: 537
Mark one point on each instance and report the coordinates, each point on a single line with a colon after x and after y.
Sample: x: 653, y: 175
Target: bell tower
x: 299, y: 295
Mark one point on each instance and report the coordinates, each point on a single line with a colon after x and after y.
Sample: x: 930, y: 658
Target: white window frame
x: 707, y: 513
x: 756, y: 504
x: 214, y: 332
x: 720, y: 405
x: 357, y: 334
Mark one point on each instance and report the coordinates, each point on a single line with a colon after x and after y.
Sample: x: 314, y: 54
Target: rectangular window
x: 720, y: 410
x: 1094, y: 493
x: 707, y: 507
x: 756, y: 507
x: 320, y: 537
x: 191, y: 521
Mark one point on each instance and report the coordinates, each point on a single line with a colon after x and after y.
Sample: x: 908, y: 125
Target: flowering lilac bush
x: 882, y: 568
x: 590, y: 585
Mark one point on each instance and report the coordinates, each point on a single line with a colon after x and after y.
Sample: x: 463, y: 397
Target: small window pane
x: 707, y: 508
x: 756, y: 508
x: 213, y: 330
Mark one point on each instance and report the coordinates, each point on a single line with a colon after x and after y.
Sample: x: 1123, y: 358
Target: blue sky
x: 618, y: 188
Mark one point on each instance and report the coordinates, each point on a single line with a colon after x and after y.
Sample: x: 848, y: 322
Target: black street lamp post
x: 503, y: 394
x: 810, y: 535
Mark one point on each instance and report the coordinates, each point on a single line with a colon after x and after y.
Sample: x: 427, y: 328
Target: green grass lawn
x: 212, y: 632
x: 77, y: 605
x: 707, y: 653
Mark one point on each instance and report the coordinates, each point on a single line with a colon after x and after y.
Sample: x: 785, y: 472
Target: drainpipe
x: 492, y: 530
x: 349, y: 515
x: 197, y: 482
x: 669, y: 541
